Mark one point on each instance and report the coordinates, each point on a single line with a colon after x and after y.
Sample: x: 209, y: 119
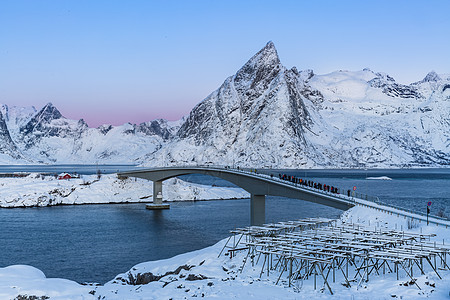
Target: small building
x: 67, y: 176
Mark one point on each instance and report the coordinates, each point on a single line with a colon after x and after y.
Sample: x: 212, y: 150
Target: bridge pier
x: 257, y: 209
x: 157, y: 190
x: 157, y: 197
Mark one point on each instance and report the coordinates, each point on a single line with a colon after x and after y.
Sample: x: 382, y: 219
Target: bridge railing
x: 413, y: 211
x: 341, y: 192
x: 336, y: 194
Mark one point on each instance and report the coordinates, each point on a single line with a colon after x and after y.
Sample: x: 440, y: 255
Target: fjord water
x: 408, y: 188
x: 93, y: 243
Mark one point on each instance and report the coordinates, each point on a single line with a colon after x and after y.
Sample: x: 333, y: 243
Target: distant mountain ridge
x: 263, y: 116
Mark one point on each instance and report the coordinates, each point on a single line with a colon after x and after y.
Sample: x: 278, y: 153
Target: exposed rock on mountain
x: 7, y: 146
x: 431, y: 77
x: 40, y: 121
x: 393, y: 89
x: 158, y: 127
x: 253, y: 117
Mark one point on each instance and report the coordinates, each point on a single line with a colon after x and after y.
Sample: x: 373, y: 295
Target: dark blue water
x: 93, y: 243
x: 409, y: 188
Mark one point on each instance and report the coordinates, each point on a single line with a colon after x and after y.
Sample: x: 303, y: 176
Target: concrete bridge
x: 258, y: 185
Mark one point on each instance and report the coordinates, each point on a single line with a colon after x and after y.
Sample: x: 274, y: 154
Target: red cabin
x: 64, y: 176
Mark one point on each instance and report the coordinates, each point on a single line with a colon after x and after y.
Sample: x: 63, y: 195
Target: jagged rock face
x: 104, y: 129
x: 236, y: 96
x: 7, y: 145
x: 254, y: 78
x: 393, y: 89
x: 430, y: 77
x: 254, y: 114
x: 41, y: 119
x: 156, y: 128
x: 49, y: 123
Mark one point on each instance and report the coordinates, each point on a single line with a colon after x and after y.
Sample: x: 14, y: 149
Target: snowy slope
x: 367, y: 126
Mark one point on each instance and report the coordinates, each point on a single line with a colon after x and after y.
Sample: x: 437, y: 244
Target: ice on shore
x: 379, y: 178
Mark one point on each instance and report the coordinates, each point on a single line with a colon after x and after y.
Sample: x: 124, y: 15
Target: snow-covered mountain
x: 45, y: 136
x: 263, y: 116
x: 267, y: 115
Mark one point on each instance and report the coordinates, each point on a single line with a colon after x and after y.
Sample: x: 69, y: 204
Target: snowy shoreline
x: 126, y: 202
x: 36, y: 190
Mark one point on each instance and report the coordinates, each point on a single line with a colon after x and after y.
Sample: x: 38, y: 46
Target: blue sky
x: 118, y: 61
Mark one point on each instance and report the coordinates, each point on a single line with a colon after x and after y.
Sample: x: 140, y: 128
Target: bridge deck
x: 263, y: 184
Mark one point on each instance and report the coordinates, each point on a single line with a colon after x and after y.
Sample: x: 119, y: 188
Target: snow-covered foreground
x: 202, y: 274
x: 37, y: 190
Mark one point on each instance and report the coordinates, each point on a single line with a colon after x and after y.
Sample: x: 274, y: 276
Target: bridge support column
x: 157, y: 197
x: 257, y: 209
x: 157, y: 191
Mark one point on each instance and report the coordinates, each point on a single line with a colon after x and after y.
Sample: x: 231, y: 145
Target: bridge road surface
x: 261, y: 185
